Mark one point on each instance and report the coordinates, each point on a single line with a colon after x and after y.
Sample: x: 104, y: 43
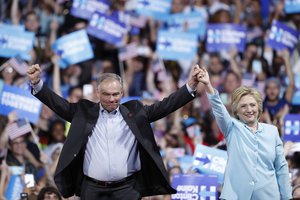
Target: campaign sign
x: 282, y: 37
x: 107, y: 28
x: 14, y: 188
x: 176, y: 46
x: 192, y: 22
x: 73, y: 48
x: 210, y: 160
x: 195, y: 186
x: 292, y: 128
x: 225, y: 37
x: 12, y: 27
x: 85, y: 8
x: 158, y: 9
x: 16, y: 99
x: 14, y: 41
x: 292, y: 6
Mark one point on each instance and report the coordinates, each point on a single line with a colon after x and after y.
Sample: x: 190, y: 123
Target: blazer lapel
x: 129, y: 118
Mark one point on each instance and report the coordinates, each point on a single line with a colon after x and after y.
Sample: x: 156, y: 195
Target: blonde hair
x: 242, y: 91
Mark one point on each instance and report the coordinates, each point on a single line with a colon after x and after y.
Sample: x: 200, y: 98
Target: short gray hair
x: 112, y: 76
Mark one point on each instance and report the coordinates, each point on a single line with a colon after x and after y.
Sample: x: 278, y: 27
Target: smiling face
x: 247, y: 110
x: 110, y: 93
x: 246, y: 104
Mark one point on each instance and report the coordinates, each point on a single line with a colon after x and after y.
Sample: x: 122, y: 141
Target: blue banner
x: 176, y: 46
x: 12, y: 27
x: 191, y: 22
x: 85, y: 8
x: 14, y: 41
x: 107, y: 28
x: 158, y: 9
x: 292, y: 128
x: 16, y: 99
x: 195, y: 186
x: 208, y: 160
x: 73, y: 48
x: 14, y: 188
x: 292, y: 6
x: 282, y: 37
x: 225, y: 37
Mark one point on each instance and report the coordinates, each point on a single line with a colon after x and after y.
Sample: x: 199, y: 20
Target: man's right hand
x: 33, y: 73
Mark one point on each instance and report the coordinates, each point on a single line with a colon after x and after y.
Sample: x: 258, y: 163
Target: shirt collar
x: 114, y: 112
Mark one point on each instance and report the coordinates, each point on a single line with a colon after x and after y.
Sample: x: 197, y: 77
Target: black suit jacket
x: 153, y: 179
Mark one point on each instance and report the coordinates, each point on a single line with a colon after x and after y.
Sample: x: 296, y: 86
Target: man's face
x: 110, y: 93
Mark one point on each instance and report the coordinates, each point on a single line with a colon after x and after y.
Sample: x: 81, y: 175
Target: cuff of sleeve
x: 191, y: 91
x: 37, y: 87
x: 216, y: 93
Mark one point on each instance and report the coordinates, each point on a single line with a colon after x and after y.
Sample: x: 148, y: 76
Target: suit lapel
x: 129, y: 118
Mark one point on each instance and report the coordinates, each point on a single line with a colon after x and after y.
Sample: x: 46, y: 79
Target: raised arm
x: 56, y: 103
x: 220, y: 112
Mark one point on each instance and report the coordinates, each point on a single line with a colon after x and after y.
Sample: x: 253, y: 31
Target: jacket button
x: 75, y: 155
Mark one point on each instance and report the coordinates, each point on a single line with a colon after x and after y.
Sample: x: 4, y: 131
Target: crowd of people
x: 273, y: 73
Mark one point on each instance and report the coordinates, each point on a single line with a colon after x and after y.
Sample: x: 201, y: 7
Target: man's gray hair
x: 112, y: 76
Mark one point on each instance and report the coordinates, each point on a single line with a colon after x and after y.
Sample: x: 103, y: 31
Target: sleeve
x: 56, y: 103
x: 220, y: 112
x: 282, y: 172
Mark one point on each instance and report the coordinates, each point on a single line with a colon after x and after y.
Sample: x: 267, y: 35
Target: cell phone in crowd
x: 257, y: 66
x: 29, y: 180
x: 23, y: 196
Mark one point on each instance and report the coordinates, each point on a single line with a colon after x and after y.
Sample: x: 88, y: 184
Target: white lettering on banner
x: 218, y: 164
x: 158, y: 5
x: 73, y: 47
x: 178, y: 45
x: 96, y: 5
x: 187, y: 188
x: 17, y: 43
x: 225, y: 36
x: 186, y: 196
x: 20, y: 102
x: 107, y: 25
x: 113, y: 28
x: 289, y: 39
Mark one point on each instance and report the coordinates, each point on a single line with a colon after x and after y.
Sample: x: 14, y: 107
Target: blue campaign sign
x: 225, y: 37
x: 85, y: 8
x: 14, y: 41
x: 12, y: 27
x: 292, y: 6
x: 73, y: 48
x: 14, y: 188
x: 192, y: 22
x: 195, y: 186
x: 16, y: 99
x: 176, y: 46
x: 282, y: 37
x: 158, y: 9
x: 210, y: 160
x: 292, y: 128
x: 107, y: 28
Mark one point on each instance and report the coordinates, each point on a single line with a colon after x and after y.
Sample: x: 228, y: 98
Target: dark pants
x: 92, y: 191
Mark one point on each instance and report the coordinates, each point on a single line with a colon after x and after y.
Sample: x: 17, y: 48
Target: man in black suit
x: 110, y: 151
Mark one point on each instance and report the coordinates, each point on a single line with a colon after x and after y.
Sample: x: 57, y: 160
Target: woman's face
x: 248, y: 110
x: 272, y: 91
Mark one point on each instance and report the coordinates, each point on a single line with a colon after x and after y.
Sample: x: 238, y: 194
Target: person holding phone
x: 110, y: 151
x: 256, y: 166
